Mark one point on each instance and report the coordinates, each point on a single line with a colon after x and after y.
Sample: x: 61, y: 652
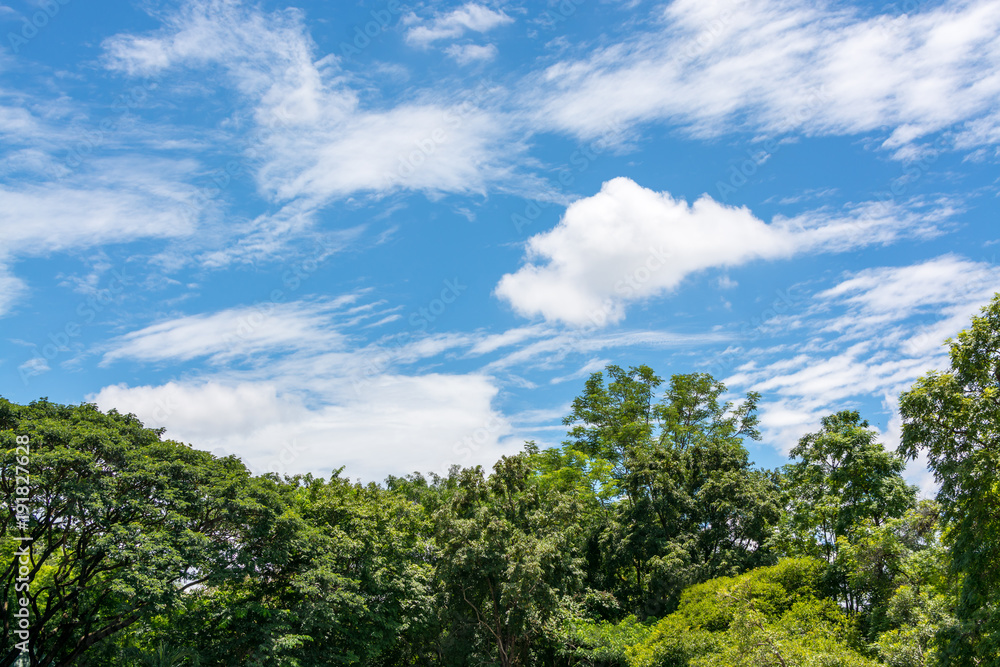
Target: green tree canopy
x: 509, y: 562
x: 953, y: 417
x: 691, y: 505
x: 121, y: 524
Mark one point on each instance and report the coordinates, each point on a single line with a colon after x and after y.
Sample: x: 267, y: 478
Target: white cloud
x: 469, y: 53
x: 550, y: 351
x: 949, y: 288
x: 293, y: 391
x: 12, y: 289
x: 628, y: 243
x: 508, y: 338
x: 36, y: 220
x: 314, y: 138
x: 34, y: 366
x: 429, y: 147
x: 788, y: 65
x: 234, y: 332
x: 393, y: 425
x: 477, y: 18
x: 111, y: 202
x: 871, y: 335
x: 310, y: 399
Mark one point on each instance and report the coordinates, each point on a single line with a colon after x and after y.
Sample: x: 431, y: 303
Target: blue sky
x: 396, y: 236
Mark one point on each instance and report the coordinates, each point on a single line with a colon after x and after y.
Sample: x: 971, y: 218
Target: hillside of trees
x: 647, y: 539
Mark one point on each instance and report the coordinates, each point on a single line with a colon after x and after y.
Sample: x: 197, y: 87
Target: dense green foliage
x: 648, y: 539
x: 954, y: 418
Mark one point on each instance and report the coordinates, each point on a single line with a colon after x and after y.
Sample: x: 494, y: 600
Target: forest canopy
x: 649, y: 538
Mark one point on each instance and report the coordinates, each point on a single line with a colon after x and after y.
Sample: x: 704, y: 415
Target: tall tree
x: 841, y: 485
x: 840, y: 476
x: 343, y: 578
x: 509, y: 559
x: 691, y: 505
x: 120, y: 524
x: 953, y: 417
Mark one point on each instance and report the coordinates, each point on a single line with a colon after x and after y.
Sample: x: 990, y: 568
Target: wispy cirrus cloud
x: 470, y: 53
x: 872, y: 334
x: 234, y: 333
x: 316, y: 139
x: 47, y: 218
x: 115, y: 202
x: 455, y: 23
x: 780, y: 66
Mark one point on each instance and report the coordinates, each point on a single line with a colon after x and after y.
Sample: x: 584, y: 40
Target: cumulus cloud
x: 287, y: 388
x: 469, y: 17
x: 628, y: 243
x: 393, y: 425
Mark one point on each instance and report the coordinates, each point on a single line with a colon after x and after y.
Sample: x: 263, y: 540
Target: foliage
x: 647, y: 540
x: 917, y: 616
x: 601, y: 644
x: 347, y: 580
x: 953, y: 418
x: 121, y: 524
x: 840, y: 478
x: 765, y: 616
x: 691, y: 506
x: 842, y: 490
x: 812, y: 632
x: 509, y: 556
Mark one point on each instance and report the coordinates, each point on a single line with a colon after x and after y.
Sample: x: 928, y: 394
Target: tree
x: 842, y: 477
x: 509, y: 559
x: 344, y: 577
x: 770, y: 616
x: 953, y: 417
x: 120, y: 523
x: 843, y: 485
x: 691, y: 506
